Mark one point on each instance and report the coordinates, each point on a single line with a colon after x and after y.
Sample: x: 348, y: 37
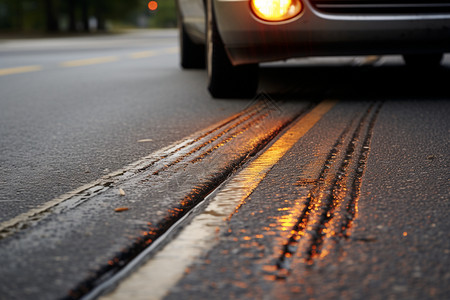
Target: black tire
x: 224, y: 79
x: 192, y: 55
x: 423, y: 60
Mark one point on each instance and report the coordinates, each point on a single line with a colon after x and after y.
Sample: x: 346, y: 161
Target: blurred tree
x: 51, y: 16
x: 84, y: 15
x: 102, y: 10
x: 81, y: 15
x: 165, y: 15
x: 71, y: 7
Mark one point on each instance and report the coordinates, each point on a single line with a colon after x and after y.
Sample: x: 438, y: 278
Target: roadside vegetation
x: 73, y: 16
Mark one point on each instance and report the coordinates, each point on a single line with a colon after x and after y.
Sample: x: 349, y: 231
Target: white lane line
x: 155, y: 278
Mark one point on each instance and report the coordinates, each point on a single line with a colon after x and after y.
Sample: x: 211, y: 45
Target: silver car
x: 239, y: 34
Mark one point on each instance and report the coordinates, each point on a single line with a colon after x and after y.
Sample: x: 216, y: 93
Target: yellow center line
x: 156, y: 277
x: 150, y: 53
x: 251, y: 176
x: 143, y: 54
x: 171, y: 50
x: 89, y: 61
x: 17, y: 70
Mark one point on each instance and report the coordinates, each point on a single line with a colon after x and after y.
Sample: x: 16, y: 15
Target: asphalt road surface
x: 83, y: 114
x: 331, y: 183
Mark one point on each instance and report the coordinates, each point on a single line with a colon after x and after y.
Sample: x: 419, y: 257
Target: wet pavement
x: 351, y: 206
x: 359, y: 214
x: 118, y: 217
x: 344, y: 224
x: 64, y: 127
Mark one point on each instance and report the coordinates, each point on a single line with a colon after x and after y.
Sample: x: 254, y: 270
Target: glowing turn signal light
x: 276, y: 10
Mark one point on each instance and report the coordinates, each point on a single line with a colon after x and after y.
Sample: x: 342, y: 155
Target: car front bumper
x: 313, y: 33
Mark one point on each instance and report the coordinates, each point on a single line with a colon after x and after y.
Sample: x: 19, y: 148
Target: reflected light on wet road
x: 168, y: 265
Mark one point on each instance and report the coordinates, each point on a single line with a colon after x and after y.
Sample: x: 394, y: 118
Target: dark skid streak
x: 301, y: 212
x: 157, y: 193
x: 331, y: 205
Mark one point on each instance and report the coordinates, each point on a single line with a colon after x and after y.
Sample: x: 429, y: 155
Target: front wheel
x: 192, y: 55
x: 224, y: 79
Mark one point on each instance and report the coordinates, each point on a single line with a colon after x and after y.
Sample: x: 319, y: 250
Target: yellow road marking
x: 150, y: 53
x: 155, y: 278
x: 172, y: 50
x: 89, y: 61
x: 17, y: 70
x: 143, y: 54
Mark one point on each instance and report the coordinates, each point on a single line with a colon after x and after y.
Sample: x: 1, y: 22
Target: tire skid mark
x: 239, y: 131
x: 307, y: 207
x: 185, y: 205
x: 227, y: 199
x: 84, y: 193
x: 213, y: 143
x: 243, y: 121
x: 201, y: 190
x: 341, y: 191
x: 223, y: 128
x: 328, y: 211
x: 352, y: 205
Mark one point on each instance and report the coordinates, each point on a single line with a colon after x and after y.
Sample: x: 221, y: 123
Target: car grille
x: 382, y: 6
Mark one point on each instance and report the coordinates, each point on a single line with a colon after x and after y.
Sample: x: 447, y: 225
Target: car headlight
x: 276, y: 10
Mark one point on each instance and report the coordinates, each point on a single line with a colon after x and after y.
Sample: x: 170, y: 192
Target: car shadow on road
x: 344, y: 82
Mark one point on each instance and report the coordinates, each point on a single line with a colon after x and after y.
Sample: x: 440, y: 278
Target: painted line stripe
x: 155, y: 278
x: 143, y: 54
x: 89, y: 61
x: 17, y: 70
x: 151, y: 53
x: 171, y: 50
